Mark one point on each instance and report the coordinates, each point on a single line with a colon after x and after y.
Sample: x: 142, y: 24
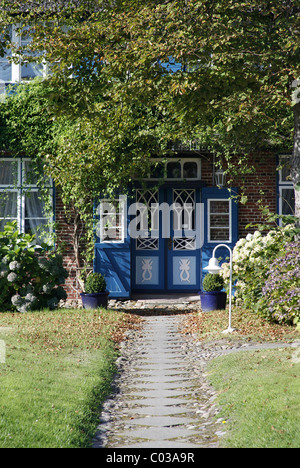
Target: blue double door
x: 166, y: 248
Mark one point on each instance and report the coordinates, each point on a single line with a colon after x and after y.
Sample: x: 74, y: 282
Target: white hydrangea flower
x: 17, y: 300
x: 24, y: 308
x: 30, y: 298
x: 14, y: 266
x: 12, y: 277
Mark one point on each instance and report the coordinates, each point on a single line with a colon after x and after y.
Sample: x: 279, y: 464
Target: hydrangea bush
x: 253, y: 258
x: 30, y: 277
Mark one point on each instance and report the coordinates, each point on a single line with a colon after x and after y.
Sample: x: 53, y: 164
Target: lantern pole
x: 214, y: 268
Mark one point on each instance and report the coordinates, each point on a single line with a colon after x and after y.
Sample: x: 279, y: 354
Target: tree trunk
x: 295, y: 159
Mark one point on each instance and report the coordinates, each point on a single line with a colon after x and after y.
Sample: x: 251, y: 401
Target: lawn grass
x: 208, y: 326
x: 258, y: 391
x: 58, y: 370
x: 259, y: 395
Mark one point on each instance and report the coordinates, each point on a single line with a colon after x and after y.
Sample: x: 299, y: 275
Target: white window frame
x: 283, y: 184
x: 281, y: 188
x: 30, y: 189
x: 16, y: 70
x: 18, y: 163
x: 209, y: 227
x: 122, y: 200
x: 19, y: 206
x: 23, y: 174
x: 21, y: 189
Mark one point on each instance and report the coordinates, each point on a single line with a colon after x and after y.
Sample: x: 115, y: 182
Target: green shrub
x: 31, y: 277
x: 95, y: 283
x: 213, y: 283
x: 252, y: 261
x: 282, y: 288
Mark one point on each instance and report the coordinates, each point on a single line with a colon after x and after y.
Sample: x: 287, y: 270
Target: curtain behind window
x: 8, y: 208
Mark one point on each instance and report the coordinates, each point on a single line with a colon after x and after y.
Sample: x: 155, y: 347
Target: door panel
x: 112, y: 247
x: 183, y: 254
x: 172, y: 260
x: 148, y: 248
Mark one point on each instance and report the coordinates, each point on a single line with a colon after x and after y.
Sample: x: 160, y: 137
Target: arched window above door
x: 175, y: 169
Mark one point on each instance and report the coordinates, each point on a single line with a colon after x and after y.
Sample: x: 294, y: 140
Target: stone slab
x: 160, y: 433
x: 158, y: 393
x: 159, y: 421
x: 164, y: 444
x: 162, y: 411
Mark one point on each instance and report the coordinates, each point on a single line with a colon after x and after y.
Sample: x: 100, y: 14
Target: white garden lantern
x: 214, y: 268
x: 220, y: 178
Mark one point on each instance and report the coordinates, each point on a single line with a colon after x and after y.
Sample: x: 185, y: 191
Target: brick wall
x: 264, y: 179
x: 259, y: 186
x: 65, y: 235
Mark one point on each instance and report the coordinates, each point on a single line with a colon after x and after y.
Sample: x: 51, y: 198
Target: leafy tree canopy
x: 141, y: 73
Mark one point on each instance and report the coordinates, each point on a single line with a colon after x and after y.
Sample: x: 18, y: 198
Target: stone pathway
x: 161, y: 398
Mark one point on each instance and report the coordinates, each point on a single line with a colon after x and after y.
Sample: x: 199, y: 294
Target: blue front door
x: 177, y: 230
x: 166, y: 256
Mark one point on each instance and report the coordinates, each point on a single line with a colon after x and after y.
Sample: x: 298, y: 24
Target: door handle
x: 170, y: 243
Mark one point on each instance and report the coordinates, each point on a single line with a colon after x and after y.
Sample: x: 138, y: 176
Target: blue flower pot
x: 94, y: 301
x: 215, y: 300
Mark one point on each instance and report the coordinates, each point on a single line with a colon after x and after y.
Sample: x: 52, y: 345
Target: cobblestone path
x: 161, y: 397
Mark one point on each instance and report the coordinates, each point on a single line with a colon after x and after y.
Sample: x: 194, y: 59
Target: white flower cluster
x: 23, y: 304
x: 14, y: 266
x: 250, y: 254
x: 7, y: 270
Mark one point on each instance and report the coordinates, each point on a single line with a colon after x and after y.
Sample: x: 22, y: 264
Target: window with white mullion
x: 5, y: 63
x: 30, y: 70
x: 22, y: 202
x: 10, y: 207
x: 286, y: 200
x: 34, y: 218
x: 10, y: 202
x: 30, y: 178
x: 10, y: 173
x: 12, y: 68
x: 112, y: 220
x: 219, y: 220
x: 286, y: 194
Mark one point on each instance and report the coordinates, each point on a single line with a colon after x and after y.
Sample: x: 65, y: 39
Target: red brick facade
x: 263, y: 180
x: 261, y: 185
x: 65, y: 231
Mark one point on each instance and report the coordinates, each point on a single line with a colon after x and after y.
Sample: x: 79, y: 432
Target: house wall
x: 262, y: 185
x: 65, y: 231
x: 265, y: 179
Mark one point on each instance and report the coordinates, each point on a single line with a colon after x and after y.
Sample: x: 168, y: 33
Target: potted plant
x: 95, y: 294
x: 213, y: 298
